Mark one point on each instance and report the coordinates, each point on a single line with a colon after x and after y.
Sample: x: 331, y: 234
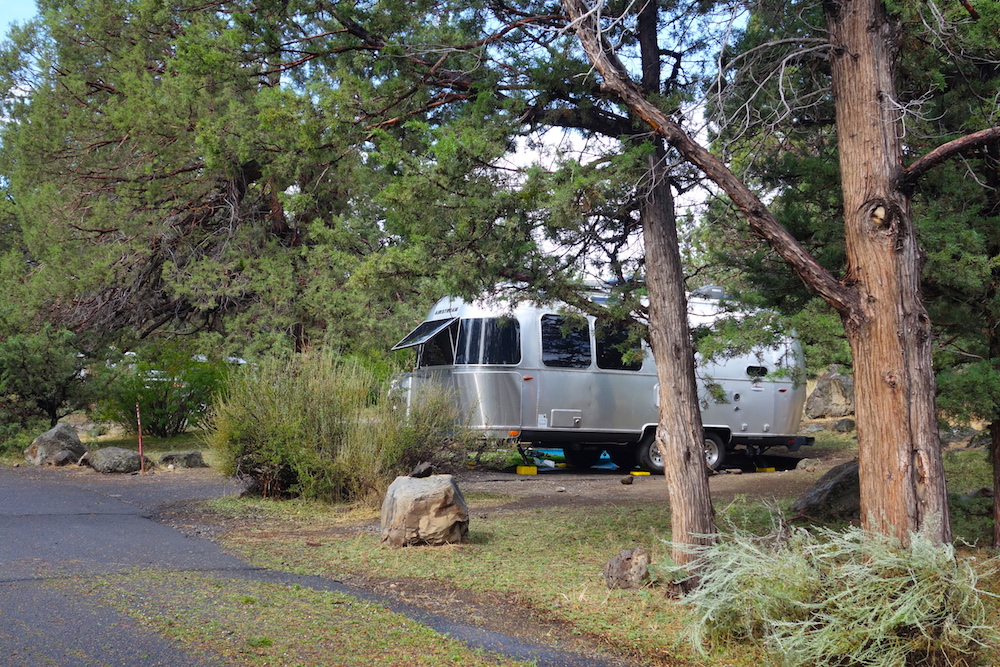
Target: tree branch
x: 909, y: 176
x: 584, y: 22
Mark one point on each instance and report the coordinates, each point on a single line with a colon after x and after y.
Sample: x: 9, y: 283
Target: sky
x: 15, y: 10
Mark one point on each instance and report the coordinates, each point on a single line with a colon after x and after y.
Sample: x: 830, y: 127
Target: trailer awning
x: 424, y: 333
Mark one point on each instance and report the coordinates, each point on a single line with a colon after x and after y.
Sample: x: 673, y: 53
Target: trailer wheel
x: 582, y: 458
x: 650, y: 458
x: 715, y: 451
x: 649, y: 455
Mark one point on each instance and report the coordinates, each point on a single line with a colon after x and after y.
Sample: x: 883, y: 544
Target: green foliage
x: 317, y: 427
x: 43, y: 374
x: 171, y: 386
x: 15, y: 439
x: 843, y: 598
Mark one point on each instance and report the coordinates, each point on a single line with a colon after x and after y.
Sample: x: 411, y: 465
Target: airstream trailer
x: 543, y: 378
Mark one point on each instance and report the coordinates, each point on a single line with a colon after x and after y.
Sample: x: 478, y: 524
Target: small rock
x: 805, y: 464
x: 845, y: 425
x: 560, y: 489
x: 627, y: 479
x: 629, y: 569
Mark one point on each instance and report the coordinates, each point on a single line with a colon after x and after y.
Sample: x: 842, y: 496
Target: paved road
x: 62, y: 523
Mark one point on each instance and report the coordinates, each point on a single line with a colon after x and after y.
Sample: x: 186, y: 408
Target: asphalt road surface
x: 59, y: 524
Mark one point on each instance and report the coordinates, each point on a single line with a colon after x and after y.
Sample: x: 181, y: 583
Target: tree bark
x: 679, y: 435
x: 899, y: 450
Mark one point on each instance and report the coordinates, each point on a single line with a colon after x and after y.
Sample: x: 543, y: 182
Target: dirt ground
x: 561, y: 486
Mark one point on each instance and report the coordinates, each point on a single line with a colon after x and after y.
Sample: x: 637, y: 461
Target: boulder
x: 832, y: 397
x: 45, y: 447
x: 836, y: 496
x: 953, y: 435
x: 64, y: 458
x: 629, y: 569
x: 428, y: 510
x: 116, y: 459
x: 189, y: 459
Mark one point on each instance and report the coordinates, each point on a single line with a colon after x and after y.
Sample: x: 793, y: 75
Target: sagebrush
x: 315, y: 426
x: 844, y: 598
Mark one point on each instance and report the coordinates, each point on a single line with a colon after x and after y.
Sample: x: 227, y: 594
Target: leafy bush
x: 171, y: 386
x: 843, y: 598
x: 318, y: 427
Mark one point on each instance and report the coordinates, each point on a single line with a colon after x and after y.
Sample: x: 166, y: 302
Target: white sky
x: 15, y: 10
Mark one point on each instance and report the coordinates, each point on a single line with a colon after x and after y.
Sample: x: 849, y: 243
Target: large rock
x: 629, y: 569
x: 44, y: 448
x: 832, y: 397
x: 116, y: 459
x: 835, y: 497
x: 429, y: 510
x: 190, y: 459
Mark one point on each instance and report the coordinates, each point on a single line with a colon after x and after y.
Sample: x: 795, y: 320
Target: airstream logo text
x: 444, y: 311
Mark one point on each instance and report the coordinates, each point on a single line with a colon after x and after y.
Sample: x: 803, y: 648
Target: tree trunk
x: 902, y: 476
x: 679, y: 435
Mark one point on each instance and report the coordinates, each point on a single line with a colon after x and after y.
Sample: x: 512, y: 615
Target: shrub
x: 171, y: 386
x: 843, y: 598
x: 14, y: 438
x: 318, y: 427
x: 43, y: 374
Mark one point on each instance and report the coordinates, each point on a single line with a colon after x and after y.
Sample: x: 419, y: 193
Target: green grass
x: 285, y: 625
x: 548, y: 560
x: 830, y: 443
x: 967, y: 470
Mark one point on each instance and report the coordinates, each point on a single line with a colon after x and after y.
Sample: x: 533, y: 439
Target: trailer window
x: 489, y: 340
x: 565, y: 344
x: 611, y: 341
x: 439, y: 350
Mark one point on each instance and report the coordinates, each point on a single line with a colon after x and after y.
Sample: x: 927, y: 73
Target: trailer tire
x: 582, y: 458
x: 650, y: 458
x: 715, y: 451
x: 648, y: 454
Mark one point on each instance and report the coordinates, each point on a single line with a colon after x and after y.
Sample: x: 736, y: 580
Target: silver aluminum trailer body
x: 543, y: 378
